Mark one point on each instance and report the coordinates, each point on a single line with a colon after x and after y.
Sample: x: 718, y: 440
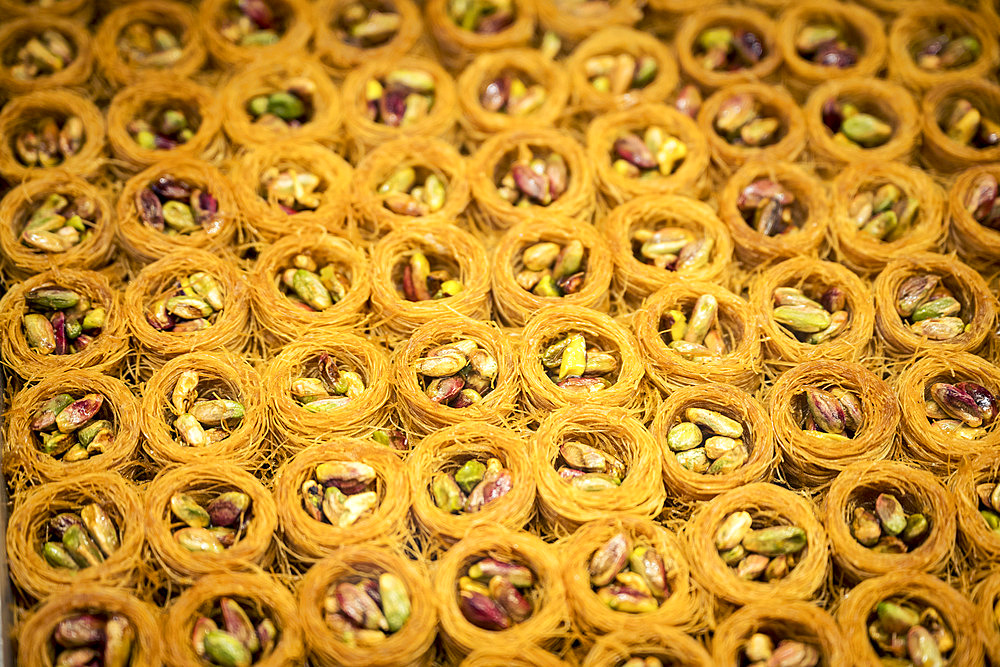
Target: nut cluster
x: 213, y: 528
x: 911, y: 633
x: 708, y: 442
x: 742, y: 122
x: 365, y: 611
x: 551, y: 269
x: 93, y: 638
x: 340, y: 492
x: 722, y: 49
x: 671, y: 248
x: 495, y: 594
x: 69, y: 428
x: 311, y: 288
x: 618, y: 74
x: 165, y: 129
x: 654, y: 153
x: 884, y: 213
x: 177, y: 208
x: 60, y: 223
x: 827, y: 45
x: 362, y: 26
x: 628, y: 577
x: 238, y: 642
x: 574, y: 366
x: 835, y: 414
x: 770, y: 208
x: 420, y: 283
x: 195, y: 304
x: 49, y: 141
x: 946, y: 51
x: 811, y: 321
x: 889, y: 529
x: 414, y: 191
x: 981, y: 201
x: 989, y: 504
x: 149, y: 45
x: 81, y: 540
x: 290, y: 107
x: 292, y: 189
x: 251, y: 23
x: 852, y: 127
x: 963, y: 409
x: 769, y: 553
x: 763, y: 650
x: 457, y: 374
x: 512, y: 94
x: 588, y: 468
x: 472, y: 487
x: 331, y: 387
x: 967, y: 124
x: 696, y: 336
x: 42, y: 55
x: 202, y: 417
x: 930, y: 307
x: 486, y: 17
x: 60, y: 320
x: 400, y: 98
x: 534, y: 180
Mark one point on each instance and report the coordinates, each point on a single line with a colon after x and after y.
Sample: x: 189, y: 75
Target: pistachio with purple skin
x: 414, y: 191
x: 367, y: 25
x: 512, y: 93
x: 471, y: 487
x: 487, y: 17
x: 553, y: 270
x: 243, y: 635
x: 770, y: 552
x: 722, y: 48
x: 400, y: 98
x: 148, y: 45
x: 79, y: 540
x: 59, y: 223
x: 213, y: 530
x: 617, y: 74
x: 496, y: 594
x: 93, y: 638
x: 176, y: 207
x: 944, y: 51
x: 930, y: 308
x: 194, y: 302
x: 980, y: 201
x: 251, y: 23
x: 826, y: 45
x: 656, y: 153
x: 533, y: 180
x: 910, y: 631
x: 340, y: 493
x: 458, y: 374
x: 884, y: 212
x: 71, y: 429
x: 49, y: 141
x: 968, y: 124
x: 741, y: 121
x: 164, y: 129
x: 770, y: 208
